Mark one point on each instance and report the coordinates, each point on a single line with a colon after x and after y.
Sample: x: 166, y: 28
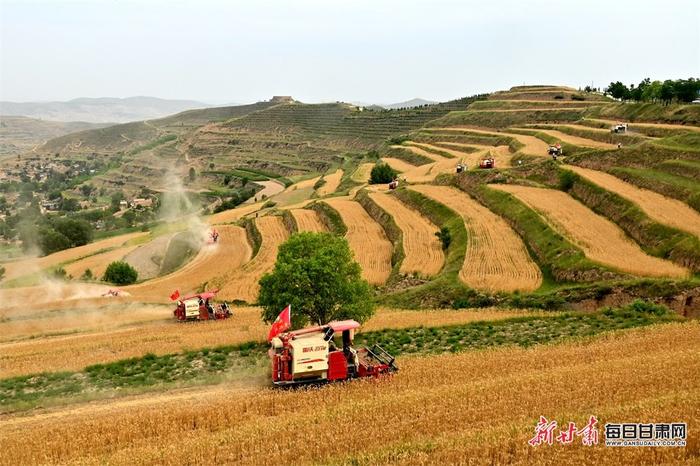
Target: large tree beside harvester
x: 317, y: 275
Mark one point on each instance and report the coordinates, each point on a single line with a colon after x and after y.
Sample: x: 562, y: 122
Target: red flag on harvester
x: 282, y: 323
x: 175, y: 295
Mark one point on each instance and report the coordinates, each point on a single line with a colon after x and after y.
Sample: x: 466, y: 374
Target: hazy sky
x: 325, y: 50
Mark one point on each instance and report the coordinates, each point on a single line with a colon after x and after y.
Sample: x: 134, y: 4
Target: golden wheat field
x: 577, y: 140
x: 226, y: 256
x: 140, y: 329
x: 22, y: 267
x: 664, y: 210
x: 496, y: 258
x: 417, y: 149
x: 398, y: 164
x: 308, y: 220
x: 367, y: 240
x: 332, y: 182
x: 97, y: 263
x: 531, y: 144
x: 422, y: 249
x: 242, y: 283
x: 479, y: 407
x: 361, y: 175
x: 600, y: 239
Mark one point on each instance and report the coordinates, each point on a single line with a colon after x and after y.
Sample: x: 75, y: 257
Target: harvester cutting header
x: 311, y: 354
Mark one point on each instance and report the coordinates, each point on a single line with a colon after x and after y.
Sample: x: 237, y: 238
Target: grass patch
x: 330, y: 218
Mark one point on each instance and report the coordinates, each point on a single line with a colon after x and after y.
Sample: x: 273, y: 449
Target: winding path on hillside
x: 270, y: 188
x: 660, y: 208
x: 496, y: 258
x: 242, y: 283
x: 601, y: 240
x: 308, y: 220
x: 367, y: 240
x: 422, y: 249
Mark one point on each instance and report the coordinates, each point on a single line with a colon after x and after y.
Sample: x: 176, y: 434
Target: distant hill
x: 100, y: 110
x: 417, y: 102
x: 18, y: 133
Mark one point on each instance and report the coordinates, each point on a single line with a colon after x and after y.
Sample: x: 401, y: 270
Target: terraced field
x: 332, y: 183
x: 398, y: 164
x: 577, y: 140
x: 242, y: 283
x: 531, y: 144
x: 496, y: 258
x: 422, y: 249
x: 417, y: 149
x: 362, y: 173
x: 22, y: 267
x: 233, y: 422
x: 226, y: 256
x: 664, y: 210
x: 308, y: 220
x: 367, y: 240
x: 600, y: 239
x: 97, y: 263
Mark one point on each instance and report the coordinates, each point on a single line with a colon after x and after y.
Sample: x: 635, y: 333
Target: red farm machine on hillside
x: 199, y: 307
x: 311, y: 355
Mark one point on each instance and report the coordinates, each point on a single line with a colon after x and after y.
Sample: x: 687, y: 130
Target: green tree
x: 51, y: 241
x: 69, y: 204
x: 382, y: 173
x: 618, y: 90
x: 192, y: 174
x: 667, y: 92
x: 79, y: 232
x: 2, y: 272
x: 115, y: 199
x: 317, y: 275
x: 120, y: 273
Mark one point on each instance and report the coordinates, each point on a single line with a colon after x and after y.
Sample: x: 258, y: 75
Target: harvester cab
x: 394, y: 183
x: 461, y: 166
x: 488, y: 162
x: 311, y: 355
x: 199, y: 307
x: 619, y: 128
x: 555, y: 151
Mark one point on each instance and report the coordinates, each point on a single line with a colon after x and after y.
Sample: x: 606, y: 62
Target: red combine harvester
x: 311, y: 356
x: 213, y: 236
x: 198, y: 307
x: 488, y: 162
x: 394, y: 184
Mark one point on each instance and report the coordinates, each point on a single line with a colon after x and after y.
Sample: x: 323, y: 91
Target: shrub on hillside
x: 445, y: 237
x: 120, y: 273
x: 382, y: 173
x: 566, y: 180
